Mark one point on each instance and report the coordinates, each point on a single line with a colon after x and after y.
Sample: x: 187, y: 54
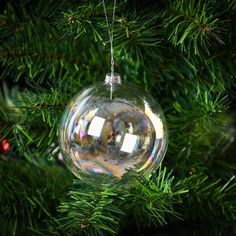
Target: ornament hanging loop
x: 110, y: 33
x: 111, y: 79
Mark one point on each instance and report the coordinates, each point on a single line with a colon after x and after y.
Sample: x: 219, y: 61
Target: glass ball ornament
x: 111, y: 127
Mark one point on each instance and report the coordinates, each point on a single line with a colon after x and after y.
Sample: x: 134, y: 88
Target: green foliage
x: 182, y: 52
x: 207, y: 196
x: 29, y: 196
x: 194, y: 26
x: 152, y: 201
x: 100, y: 204
x: 91, y: 211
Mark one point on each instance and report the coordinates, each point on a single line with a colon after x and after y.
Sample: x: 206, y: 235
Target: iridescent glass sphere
x: 111, y: 127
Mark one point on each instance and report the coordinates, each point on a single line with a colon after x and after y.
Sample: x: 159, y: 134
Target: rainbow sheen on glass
x: 110, y: 133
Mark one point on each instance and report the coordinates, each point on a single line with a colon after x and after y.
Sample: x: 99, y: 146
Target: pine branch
x: 202, y: 128
x: 37, y: 52
x: 29, y: 195
x: 137, y: 35
x: 99, y: 204
x: 212, y: 197
x: 153, y: 201
x: 132, y: 34
x: 82, y: 20
x: 193, y: 27
x: 203, y: 109
x: 91, y: 209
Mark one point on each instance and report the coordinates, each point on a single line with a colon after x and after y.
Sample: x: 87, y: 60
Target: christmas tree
x: 182, y: 52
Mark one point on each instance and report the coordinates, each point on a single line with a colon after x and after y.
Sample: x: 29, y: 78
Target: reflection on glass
x: 129, y: 143
x: 95, y: 127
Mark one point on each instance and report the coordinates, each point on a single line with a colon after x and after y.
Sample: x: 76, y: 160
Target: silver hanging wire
x: 110, y: 33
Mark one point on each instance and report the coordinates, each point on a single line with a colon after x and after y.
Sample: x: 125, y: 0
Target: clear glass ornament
x: 112, y: 127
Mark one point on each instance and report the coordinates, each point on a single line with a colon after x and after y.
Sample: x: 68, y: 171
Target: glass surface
x: 110, y: 128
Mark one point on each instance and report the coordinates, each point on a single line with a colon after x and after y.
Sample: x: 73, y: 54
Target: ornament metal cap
x: 112, y: 78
